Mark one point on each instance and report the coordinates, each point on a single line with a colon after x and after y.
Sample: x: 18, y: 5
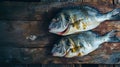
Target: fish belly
x: 87, y: 50
x: 81, y: 52
x: 83, y: 26
x: 90, y: 25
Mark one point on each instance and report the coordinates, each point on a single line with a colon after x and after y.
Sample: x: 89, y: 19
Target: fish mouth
x: 61, y: 55
x: 57, y: 54
x: 59, y: 32
x: 62, y: 32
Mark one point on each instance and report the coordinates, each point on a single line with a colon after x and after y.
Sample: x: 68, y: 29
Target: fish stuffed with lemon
x: 80, y: 18
x: 82, y: 44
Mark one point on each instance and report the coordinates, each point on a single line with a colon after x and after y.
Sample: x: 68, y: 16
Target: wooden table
x: 18, y: 20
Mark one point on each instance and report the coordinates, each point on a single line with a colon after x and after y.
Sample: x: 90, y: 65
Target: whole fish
x: 81, y: 44
x: 76, y: 19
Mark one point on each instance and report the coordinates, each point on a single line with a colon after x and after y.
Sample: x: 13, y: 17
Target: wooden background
x: 19, y: 20
x: 59, y: 65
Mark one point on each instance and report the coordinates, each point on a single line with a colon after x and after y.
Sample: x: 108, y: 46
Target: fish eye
x: 54, y: 20
x: 67, y: 17
x: 58, y: 46
x: 55, y: 45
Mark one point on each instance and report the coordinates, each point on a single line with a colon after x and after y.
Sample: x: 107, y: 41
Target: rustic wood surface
x: 19, y: 20
x: 60, y: 65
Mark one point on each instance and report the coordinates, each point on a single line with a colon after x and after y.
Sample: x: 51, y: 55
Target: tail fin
x: 112, y: 37
x: 115, y: 14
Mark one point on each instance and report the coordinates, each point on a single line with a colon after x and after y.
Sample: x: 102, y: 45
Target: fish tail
x: 114, y: 14
x: 112, y: 37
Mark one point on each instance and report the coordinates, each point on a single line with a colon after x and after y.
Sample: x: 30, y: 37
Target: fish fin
x: 112, y: 37
x: 115, y: 14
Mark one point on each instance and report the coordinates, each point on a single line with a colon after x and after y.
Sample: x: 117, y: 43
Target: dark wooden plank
x: 31, y: 55
x: 39, y: 10
x: 17, y: 65
x: 57, y: 65
x: 117, y: 65
x: 89, y: 65
x: 78, y: 65
x: 21, y: 55
x: 34, y: 65
x: 13, y: 65
x: 110, y: 65
x: 106, y: 65
x: 102, y: 65
x: 17, y: 32
x: 27, y: 11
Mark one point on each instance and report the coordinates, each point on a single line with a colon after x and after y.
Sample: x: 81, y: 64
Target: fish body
x: 81, y: 44
x: 77, y: 19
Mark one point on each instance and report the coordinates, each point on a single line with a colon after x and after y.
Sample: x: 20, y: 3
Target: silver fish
x: 77, y: 19
x: 82, y: 44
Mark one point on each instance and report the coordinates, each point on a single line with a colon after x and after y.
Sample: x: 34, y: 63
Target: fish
x: 80, y: 18
x: 81, y: 44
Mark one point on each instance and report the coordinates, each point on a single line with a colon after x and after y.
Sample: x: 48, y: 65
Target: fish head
x: 59, y: 23
x: 60, y: 49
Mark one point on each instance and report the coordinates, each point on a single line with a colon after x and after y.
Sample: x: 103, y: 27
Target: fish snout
x: 54, y: 54
x: 58, y: 54
x: 49, y: 30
